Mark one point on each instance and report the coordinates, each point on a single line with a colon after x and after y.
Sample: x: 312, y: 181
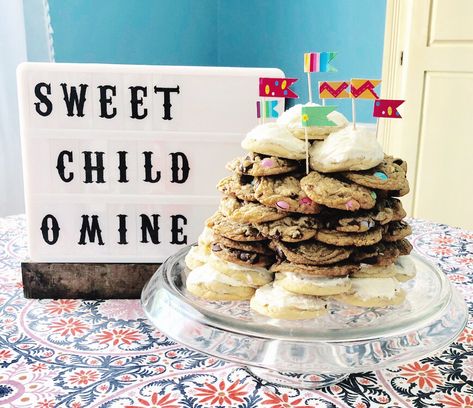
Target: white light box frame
x: 121, y: 162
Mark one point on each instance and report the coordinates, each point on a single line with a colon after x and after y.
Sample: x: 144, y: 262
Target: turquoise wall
x: 227, y: 33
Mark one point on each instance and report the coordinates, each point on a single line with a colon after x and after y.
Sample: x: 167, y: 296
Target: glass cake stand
x: 309, y: 353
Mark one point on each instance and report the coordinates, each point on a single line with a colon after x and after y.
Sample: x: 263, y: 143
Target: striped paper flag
x: 267, y: 109
x: 387, y: 108
x: 317, y: 116
x: 333, y: 89
x: 319, y: 61
x: 364, y: 88
x: 277, y: 87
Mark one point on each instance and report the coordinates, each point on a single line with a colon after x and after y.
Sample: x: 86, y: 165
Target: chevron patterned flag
x: 277, y: 87
x: 387, y: 108
x: 319, y: 61
x: 266, y: 109
x: 364, y: 88
x: 317, y: 116
x: 333, y: 89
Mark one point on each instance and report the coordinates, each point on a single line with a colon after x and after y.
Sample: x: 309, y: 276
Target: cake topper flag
x: 317, y: 62
x: 314, y: 116
x: 317, y: 116
x: 362, y: 89
x: 387, y: 108
x: 266, y: 109
x: 333, y: 89
x: 276, y: 87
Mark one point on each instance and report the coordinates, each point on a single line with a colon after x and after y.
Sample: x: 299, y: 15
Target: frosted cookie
x: 255, y: 164
x: 284, y: 193
x: 396, y: 230
x: 248, y: 213
x: 385, y: 176
x: 347, y: 149
x: 239, y: 186
x: 290, y: 228
x: 405, y: 270
x: 310, y: 252
x: 373, y: 292
x: 335, y: 193
x: 274, y: 140
x: 338, y: 238
x: 312, y: 285
x: 248, y: 275
x: 207, y: 283
x: 376, y: 271
x: 205, y: 238
x: 275, y: 302
x: 336, y: 269
x: 242, y: 256
x: 197, y: 256
x: 233, y: 230
x: 291, y: 118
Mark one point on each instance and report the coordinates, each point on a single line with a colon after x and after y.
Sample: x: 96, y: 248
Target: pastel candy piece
x: 267, y: 163
x: 305, y: 201
x: 381, y: 175
x: 373, y: 195
x: 352, y: 205
x: 365, y: 224
x: 283, y: 205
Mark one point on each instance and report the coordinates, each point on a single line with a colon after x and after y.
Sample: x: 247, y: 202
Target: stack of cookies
x: 292, y: 241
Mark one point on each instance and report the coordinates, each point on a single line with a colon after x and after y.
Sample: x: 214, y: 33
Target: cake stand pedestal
x: 309, y: 353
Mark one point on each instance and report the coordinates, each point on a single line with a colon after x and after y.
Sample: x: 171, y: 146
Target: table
x: 95, y: 353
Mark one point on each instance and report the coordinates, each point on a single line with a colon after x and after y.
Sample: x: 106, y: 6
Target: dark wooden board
x: 42, y: 280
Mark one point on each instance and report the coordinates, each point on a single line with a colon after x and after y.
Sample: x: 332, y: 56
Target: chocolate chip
x: 216, y: 247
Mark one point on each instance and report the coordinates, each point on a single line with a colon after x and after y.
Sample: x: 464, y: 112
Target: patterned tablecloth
x: 95, y: 353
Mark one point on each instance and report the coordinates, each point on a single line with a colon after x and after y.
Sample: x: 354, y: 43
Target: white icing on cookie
x: 207, y: 274
x: 347, y: 149
x: 274, y: 140
x: 405, y: 266
x: 320, y: 281
x: 370, y: 288
x: 275, y: 296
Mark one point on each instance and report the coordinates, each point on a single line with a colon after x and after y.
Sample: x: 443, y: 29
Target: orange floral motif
x: 457, y: 401
x: 466, y: 261
x: 69, y: 326
x: 61, y: 306
x: 45, y: 404
x: 466, y: 336
x: 441, y: 250
x: 444, y: 240
x: 221, y: 395
x: 5, y: 354
x: 421, y: 374
x: 164, y: 402
x: 282, y: 401
x: 116, y: 336
x: 84, y: 377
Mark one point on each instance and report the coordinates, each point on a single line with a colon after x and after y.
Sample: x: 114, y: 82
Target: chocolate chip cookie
x: 310, y: 252
x: 396, y: 231
x: 239, y: 186
x: 241, y: 256
x: 385, y: 176
x: 233, y: 230
x: 290, y: 228
x: 284, y: 193
x: 382, y: 253
x: 255, y: 164
x: 336, y: 193
x: 338, y: 238
x: 248, y: 213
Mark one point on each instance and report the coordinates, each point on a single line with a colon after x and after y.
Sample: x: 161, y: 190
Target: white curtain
x: 17, y: 45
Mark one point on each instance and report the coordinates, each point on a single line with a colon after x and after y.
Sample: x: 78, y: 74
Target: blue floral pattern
x: 72, y: 353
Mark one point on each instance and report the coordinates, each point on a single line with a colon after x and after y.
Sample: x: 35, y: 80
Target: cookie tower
x: 294, y: 241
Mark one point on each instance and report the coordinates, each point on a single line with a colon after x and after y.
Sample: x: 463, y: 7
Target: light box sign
x: 121, y: 162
